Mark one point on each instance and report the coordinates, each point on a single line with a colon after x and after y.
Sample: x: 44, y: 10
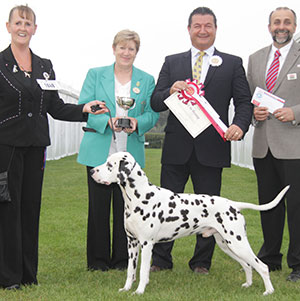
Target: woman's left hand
x: 95, y: 107
x: 133, y: 124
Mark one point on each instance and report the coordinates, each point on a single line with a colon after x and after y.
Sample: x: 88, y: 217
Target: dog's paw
x: 124, y: 289
x: 246, y: 284
x: 268, y: 292
x: 139, y: 292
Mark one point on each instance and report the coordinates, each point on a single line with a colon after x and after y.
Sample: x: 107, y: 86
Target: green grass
x: 62, y: 258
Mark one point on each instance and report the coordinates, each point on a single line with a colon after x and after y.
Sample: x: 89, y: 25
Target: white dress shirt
x: 205, y: 64
x: 120, y: 145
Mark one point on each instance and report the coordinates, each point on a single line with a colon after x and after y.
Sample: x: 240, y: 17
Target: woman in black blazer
x: 24, y: 136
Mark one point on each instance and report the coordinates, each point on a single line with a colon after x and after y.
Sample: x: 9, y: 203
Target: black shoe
x: 156, y: 268
x: 102, y: 268
x: 273, y: 267
x: 13, y: 287
x: 294, y: 276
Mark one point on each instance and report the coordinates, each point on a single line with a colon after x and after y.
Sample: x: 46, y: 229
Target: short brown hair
x: 127, y: 35
x: 24, y: 10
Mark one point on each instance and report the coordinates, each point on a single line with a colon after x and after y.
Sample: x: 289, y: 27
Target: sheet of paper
x: 262, y: 98
x: 190, y: 116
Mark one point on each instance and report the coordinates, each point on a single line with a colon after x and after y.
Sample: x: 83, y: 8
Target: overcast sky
x: 77, y: 35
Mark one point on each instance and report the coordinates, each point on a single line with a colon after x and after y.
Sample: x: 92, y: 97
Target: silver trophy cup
x: 125, y: 103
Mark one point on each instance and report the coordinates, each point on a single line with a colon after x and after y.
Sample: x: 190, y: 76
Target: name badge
x: 292, y: 76
x: 48, y: 84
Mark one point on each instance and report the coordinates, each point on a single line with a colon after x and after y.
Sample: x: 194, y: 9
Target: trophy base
x: 123, y: 123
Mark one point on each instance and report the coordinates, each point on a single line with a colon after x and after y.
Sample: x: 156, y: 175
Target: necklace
x: 27, y: 73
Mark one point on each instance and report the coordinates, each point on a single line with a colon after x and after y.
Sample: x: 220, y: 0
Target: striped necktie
x: 273, y: 72
x: 198, y: 67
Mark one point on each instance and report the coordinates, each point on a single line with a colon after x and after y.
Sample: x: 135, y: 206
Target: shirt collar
x: 283, y: 50
x: 210, y: 51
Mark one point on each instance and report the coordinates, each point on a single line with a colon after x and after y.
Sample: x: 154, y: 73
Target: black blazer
x: 222, y: 83
x: 23, y: 109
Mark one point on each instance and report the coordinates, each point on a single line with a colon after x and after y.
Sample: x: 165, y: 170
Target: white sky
x: 77, y: 35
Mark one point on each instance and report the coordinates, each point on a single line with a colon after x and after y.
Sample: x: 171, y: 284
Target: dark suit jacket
x: 23, y: 109
x: 221, y: 84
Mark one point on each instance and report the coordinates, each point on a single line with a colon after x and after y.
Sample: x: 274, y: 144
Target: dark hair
x: 202, y: 11
x: 286, y: 8
x: 24, y: 10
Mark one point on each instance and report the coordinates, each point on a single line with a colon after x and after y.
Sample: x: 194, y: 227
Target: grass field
x: 62, y: 258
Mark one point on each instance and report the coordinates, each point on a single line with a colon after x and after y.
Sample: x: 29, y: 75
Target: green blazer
x: 100, y: 85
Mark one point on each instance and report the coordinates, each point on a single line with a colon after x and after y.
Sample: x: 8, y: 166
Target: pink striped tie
x: 273, y: 72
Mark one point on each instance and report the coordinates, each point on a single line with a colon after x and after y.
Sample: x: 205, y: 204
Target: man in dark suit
x: 205, y: 156
x: 276, y: 140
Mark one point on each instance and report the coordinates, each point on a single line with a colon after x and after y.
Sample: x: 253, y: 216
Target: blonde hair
x: 24, y: 10
x: 127, y: 35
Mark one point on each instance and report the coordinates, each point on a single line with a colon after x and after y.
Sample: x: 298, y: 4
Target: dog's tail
x: 268, y: 206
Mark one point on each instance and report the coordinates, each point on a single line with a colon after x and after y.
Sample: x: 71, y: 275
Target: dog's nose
x: 92, y: 171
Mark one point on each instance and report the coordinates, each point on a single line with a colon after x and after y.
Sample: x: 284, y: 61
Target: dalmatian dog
x: 154, y: 215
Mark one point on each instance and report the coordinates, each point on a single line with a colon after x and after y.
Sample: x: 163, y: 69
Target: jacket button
x: 29, y: 114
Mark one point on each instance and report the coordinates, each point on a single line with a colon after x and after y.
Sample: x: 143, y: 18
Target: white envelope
x: 262, y: 98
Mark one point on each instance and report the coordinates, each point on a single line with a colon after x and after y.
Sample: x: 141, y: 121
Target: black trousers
x: 100, y: 255
x: 272, y: 176
x: 19, y: 219
x: 206, y: 180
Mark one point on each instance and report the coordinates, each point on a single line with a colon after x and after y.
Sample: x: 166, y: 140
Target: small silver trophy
x: 125, y: 103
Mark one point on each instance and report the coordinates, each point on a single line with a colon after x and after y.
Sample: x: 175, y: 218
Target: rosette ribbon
x: 194, y: 95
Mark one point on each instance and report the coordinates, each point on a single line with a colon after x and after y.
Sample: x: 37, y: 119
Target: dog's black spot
x: 184, y: 214
x: 139, y: 173
x: 204, y: 205
x: 231, y: 233
x: 149, y: 195
x: 185, y: 225
x: 160, y: 217
x: 151, y: 225
x: 184, y: 201
x: 177, y: 229
x: 219, y: 218
x: 171, y: 211
x: 127, y: 214
x: 172, y: 197
x: 146, y: 216
x: 212, y: 201
x: 154, y: 214
x: 145, y: 202
x: 136, y: 193
x: 145, y: 243
x: 205, y: 213
x: 172, y: 205
x: 165, y: 239
x: 197, y: 202
x: 131, y: 182
x: 121, y: 177
x: 172, y: 218
x: 154, y: 207
x: 238, y: 237
x: 137, y: 209
x: 158, y: 205
x: 256, y: 260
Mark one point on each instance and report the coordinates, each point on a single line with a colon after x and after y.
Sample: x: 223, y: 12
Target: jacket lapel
x: 263, y: 66
x: 292, y: 56
x: 211, y: 70
x: 108, y: 83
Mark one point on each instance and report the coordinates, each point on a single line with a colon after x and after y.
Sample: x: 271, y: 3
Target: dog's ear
x: 122, y: 173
